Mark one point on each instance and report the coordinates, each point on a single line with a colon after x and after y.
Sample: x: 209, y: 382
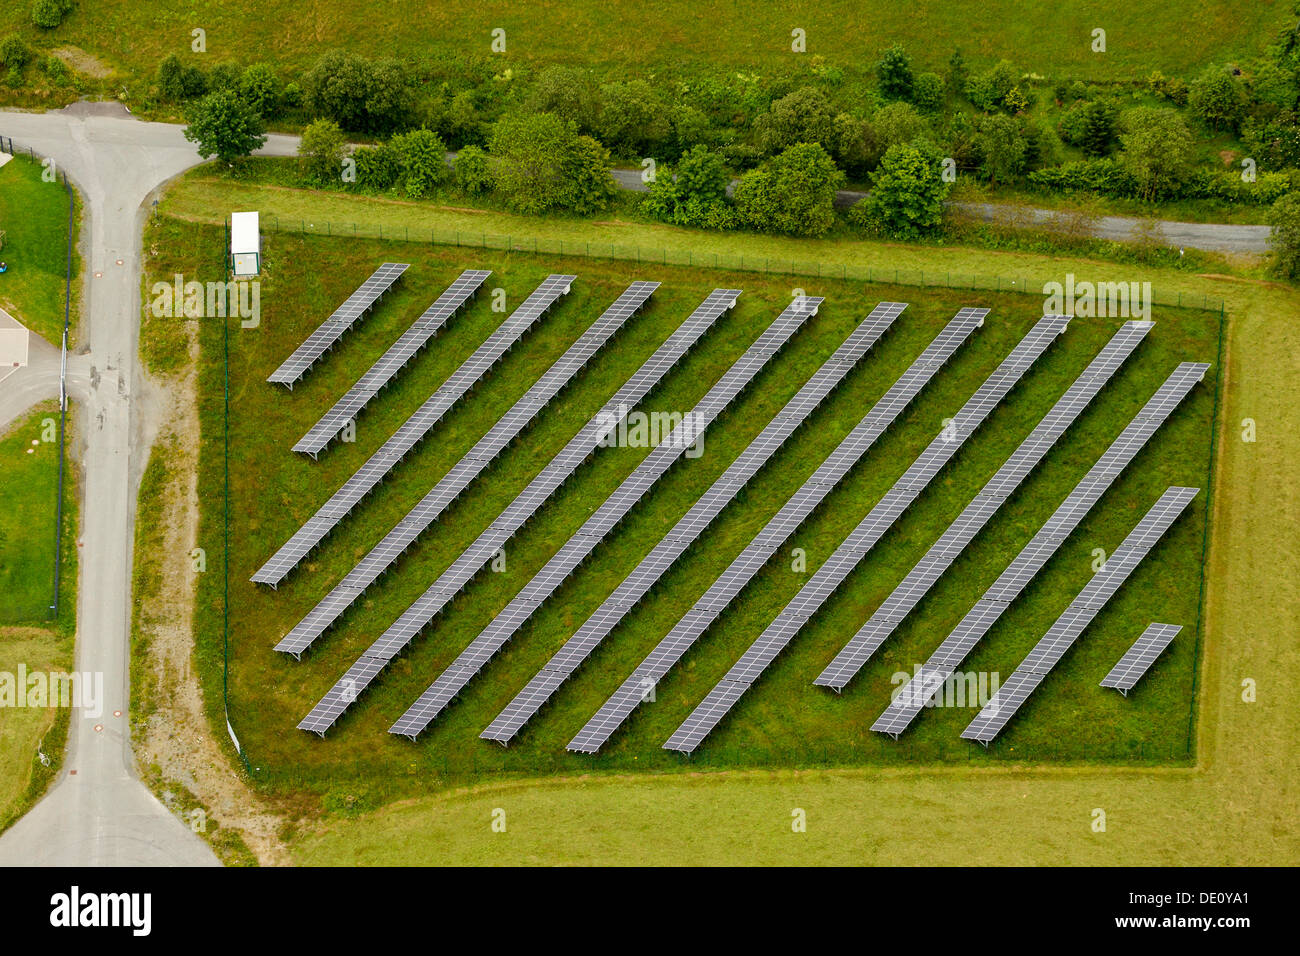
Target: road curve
x: 98, y: 812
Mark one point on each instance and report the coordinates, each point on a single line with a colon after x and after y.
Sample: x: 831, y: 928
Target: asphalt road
x: 1212, y: 237
x: 98, y: 812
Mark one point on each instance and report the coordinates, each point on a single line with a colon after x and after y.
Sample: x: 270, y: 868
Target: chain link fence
x: 703, y: 260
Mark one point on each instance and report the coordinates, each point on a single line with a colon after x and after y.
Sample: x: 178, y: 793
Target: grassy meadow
x: 1177, y: 38
x: 34, y: 218
x: 784, y: 721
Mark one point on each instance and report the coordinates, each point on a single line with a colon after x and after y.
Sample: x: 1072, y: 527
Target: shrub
x: 694, y: 194
x: 378, y: 167
x: 894, y: 74
x: 177, y: 82
x: 1284, y: 217
x: 14, y: 53
x: 473, y: 174
x: 989, y: 91
x: 423, y: 160
x: 792, y: 193
x: 48, y: 14
x: 588, y: 186
x: 928, y: 92
x: 1104, y: 176
x: 895, y: 124
x: 321, y: 149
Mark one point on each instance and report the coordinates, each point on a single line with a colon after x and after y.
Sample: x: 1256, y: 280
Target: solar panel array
x: 912, y: 697
x: 1047, y: 653
x: 684, y: 634
x: 450, y: 582
x: 828, y: 578
x: 412, y: 431
x: 392, y: 361
x: 382, y: 556
x: 995, y: 493
x: 652, y: 567
x: 1137, y: 660
x: 602, y: 521
x: 344, y: 317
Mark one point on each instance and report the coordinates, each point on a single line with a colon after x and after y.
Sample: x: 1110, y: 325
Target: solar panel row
x: 412, y: 431
x: 1047, y: 653
x: 394, y: 544
x: 1137, y: 660
x: 602, y: 521
x: 828, y: 578
x: 912, y: 697
x: 392, y: 361
x: 995, y: 493
x: 635, y: 586
x: 344, y: 317
x: 450, y: 582
x: 684, y: 634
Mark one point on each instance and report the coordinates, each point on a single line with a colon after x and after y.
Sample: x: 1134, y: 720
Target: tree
x: 48, y: 14
x: 928, y: 92
x: 14, y: 55
x: 897, y: 123
x: 261, y: 89
x: 894, y: 74
x: 632, y: 121
x: 568, y: 92
x: 1284, y: 217
x: 1090, y: 125
x: 854, y: 144
x: 804, y: 116
x: 423, y: 159
x: 1156, y: 150
x: 792, y: 193
x: 223, y: 125
x: 702, y: 175
x: 530, y: 149
x: 1003, y: 145
x: 540, y: 162
x: 358, y: 94
x: 321, y: 148
x: 907, y: 196
x: 473, y: 174
x: 1216, y: 97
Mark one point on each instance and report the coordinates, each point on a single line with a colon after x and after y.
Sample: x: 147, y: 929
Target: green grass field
x: 29, y: 462
x: 273, y: 491
x: 1213, y: 813
x: 34, y: 217
x: 1177, y: 38
x: 28, y: 635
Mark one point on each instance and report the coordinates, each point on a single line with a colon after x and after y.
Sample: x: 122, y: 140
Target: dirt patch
x: 83, y: 62
x: 176, y: 736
